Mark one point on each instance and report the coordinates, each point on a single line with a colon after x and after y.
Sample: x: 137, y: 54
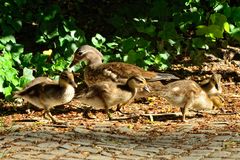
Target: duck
x: 186, y: 94
x: 119, y: 72
x: 213, y: 87
x: 106, y: 94
x: 45, y: 93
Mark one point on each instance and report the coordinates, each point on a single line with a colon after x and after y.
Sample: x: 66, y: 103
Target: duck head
x: 138, y: 82
x: 67, y: 77
x: 89, y: 54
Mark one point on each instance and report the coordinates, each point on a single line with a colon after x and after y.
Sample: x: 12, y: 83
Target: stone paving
x: 111, y: 141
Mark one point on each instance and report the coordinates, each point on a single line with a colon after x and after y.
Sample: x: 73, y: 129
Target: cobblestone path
x: 108, y: 141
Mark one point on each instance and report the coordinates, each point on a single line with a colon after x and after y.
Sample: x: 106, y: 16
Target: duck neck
x: 134, y: 92
x: 93, y: 63
x: 64, y: 84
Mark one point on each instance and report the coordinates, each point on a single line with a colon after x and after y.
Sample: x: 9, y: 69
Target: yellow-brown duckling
x: 44, y: 93
x: 186, y: 94
x: 105, y: 95
x: 213, y: 87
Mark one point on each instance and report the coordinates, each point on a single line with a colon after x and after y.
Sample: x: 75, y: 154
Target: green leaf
x: 6, y: 29
x: 235, y: 15
x: 6, y: 60
x: 150, y: 30
x: 11, y: 76
x: 199, y: 43
x: 106, y: 58
x: 51, y: 12
x: 143, y: 27
x: 60, y: 64
x: 2, y: 46
x: 112, y: 45
x: 201, y: 30
x: 7, y: 91
x: 69, y: 24
x: 1, y: 83
x: 218, y: 19
x: 53, y: 33
x: 66, y: 39
x: 218, y: 7
x: 235, y: 33
x: 16, y: 24
x: 7, y: 39
x: 142, y: 43
x: 128, y: 44
x: 168, y: 32
x: 26, y: 77
x: 26, y: 59
x: 98, y: 40
x: 161, y: 57
x: 162, y: 60
x: 148, y: 62
x: 28, y: 73
x: 132, y: 57
x: 227, y: 27
x: 41, y: 39
x: 213, y: 31
x: 227, y: 10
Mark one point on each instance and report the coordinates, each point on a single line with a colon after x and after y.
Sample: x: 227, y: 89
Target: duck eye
x: 78, y: 51
x: 64, y: 76
x: 139, y: 80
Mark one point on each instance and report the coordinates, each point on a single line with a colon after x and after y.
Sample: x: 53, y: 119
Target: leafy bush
x: 47, y: 42
x: 162, y: 31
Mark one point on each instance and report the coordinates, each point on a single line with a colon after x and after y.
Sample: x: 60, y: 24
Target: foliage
x: 47, y: 39
x: 39, y: 37
x: 153, y: 35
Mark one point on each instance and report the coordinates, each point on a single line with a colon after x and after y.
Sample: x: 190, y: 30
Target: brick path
x: 109, y: 140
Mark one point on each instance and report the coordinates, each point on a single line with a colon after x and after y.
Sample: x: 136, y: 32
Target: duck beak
x: 77, y: 58
x: 74, y: 84
x: 146, y: 88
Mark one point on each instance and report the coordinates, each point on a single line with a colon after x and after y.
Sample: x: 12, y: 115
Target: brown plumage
x: 186, y: 94
x: 105, y: 95
x: 96, y: 71
x: 45, y: 93
x: 213, y: 87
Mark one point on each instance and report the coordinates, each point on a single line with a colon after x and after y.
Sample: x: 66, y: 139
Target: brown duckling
x: 186, y: 94
x: 107, y: 94
x: 213, y: 87
x: 44, y: 93
x: 96, y: 71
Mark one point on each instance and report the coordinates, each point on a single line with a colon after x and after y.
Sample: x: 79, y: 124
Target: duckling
x: 213, y: 88
x: 212, y: 85
x: 96, y: 71
x: 46, y: 93
x: 186, y: 94
x: 107, y: 94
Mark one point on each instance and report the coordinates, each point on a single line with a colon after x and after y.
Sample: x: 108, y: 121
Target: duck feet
x: 49, y: 116
x: 86, y: 114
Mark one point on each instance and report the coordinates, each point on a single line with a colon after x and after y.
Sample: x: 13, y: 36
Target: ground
x: 215, y: 135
